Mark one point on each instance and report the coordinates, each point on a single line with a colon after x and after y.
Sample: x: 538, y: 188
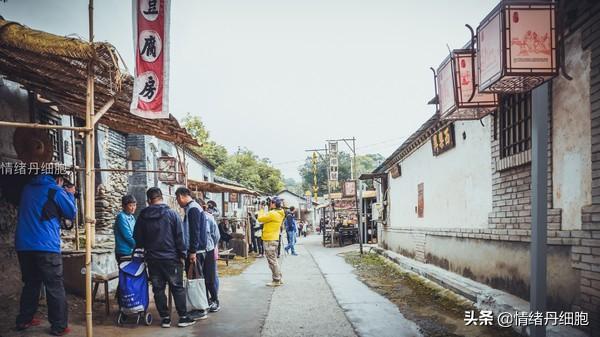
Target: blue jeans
x: 291, y: 237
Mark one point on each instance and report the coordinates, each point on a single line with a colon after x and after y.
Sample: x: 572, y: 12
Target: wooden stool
x: 227, y: 254
x: 97, y: 279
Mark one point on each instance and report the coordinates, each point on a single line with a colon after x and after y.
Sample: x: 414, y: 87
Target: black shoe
x: 197, y: 315
x: 214, y: 307
x: 185, y: 321
x: 165, y: 322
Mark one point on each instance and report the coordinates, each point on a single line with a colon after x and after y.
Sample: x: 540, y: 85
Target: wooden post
x: 75, y: 181
x: 89, y: 211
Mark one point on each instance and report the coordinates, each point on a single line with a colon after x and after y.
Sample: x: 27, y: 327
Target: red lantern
x: 458, y: 93
x: 517, y: 47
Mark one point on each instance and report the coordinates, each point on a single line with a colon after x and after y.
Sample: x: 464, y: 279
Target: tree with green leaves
x: 248, y: 169
x: 364, y: 164
x: 215, y: 154
x: 294, y: 186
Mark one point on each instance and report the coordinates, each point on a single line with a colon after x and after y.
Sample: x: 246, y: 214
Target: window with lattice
x: 513, y: 124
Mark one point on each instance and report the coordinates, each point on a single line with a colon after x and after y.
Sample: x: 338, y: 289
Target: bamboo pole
x: 75, y: 181
x: 89, y: 180
x: 42, y: 126
x: 125, y: 170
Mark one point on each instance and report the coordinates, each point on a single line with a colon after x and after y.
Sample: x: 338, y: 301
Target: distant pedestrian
x: 44, y: 201
x: 123, y: 229
x: 291, y: 229
x: 258, y: 234
x: 252, y: 224
x: 159, y: 231
x: 271, y: 231
x: 304, y: 229
x: 209, y: 266
x: 214, y: 210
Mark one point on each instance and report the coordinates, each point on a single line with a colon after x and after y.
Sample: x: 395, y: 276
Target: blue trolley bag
x: 133, y: 286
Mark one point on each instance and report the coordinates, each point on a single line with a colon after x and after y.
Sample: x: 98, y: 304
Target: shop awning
x: 55, y: 67
x: 369, y: 176
x: 207, y: 186
x: 369, y: 194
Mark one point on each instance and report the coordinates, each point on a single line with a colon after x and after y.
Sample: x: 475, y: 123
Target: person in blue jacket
x: 291, y: 229
x: 44, y: 202
x: 123, y: 229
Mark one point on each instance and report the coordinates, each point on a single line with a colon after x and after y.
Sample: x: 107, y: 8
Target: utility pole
x: 318, y: 152
x: 353, y: 178
x: 539, y: 203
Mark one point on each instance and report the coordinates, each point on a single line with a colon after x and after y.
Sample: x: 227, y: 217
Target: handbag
x: 195, y: 289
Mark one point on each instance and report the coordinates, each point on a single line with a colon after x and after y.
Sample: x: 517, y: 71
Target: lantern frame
x: 511, y: 78
x: 477, y: 105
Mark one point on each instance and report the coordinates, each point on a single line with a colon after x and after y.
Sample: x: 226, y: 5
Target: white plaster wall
x: 197, y: 170
x: 457, y: 183
x: 291, y: 200
x: 571, y: 135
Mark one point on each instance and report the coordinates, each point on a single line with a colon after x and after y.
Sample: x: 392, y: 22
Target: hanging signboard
x: 396, y: 171
x: 443, y: 140
x: 233, y: 198
x: 517, y: 47
x: 349, y: 188
x: 333, y: 161
x: 445, y: 88
x: 470, y: 102
x: 333, y: 148
x: 167, y: 167
x: 333, y: 175
x: 151, y: 44
x: 458, y: 93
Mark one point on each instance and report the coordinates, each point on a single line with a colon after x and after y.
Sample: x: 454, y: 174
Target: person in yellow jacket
x: 272, y: 221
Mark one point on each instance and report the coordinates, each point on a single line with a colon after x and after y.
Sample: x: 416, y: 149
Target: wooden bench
x: 98, y: 279
x: 226, y: 255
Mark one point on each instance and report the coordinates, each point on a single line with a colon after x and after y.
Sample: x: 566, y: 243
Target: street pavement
x: 371, y: 314
x: 321, y: 296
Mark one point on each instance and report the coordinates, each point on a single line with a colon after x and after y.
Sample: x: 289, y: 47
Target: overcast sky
x: 282, y: 76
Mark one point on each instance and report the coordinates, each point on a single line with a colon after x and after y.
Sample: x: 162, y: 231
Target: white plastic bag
x: 195, y: 289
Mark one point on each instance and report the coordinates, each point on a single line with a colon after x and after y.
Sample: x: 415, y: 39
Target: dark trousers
x: 46, y: 268
x: 260, y: 245
x: 209, y: 269
x: 253, y: 244
x: 163, y: 272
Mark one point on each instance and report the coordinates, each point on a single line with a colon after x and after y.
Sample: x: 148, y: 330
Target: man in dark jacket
x: 44, y: 202
x: 195, y: 235
x: 159, y: 231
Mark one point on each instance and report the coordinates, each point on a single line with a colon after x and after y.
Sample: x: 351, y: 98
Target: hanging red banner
x: 151, y: 44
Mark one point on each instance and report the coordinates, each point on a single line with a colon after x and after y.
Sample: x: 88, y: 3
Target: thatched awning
x: 207, y: 186
x: 56, y: 68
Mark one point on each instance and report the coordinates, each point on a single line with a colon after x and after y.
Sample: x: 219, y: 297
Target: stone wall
x: 112, y: 186
x: 138, y: 181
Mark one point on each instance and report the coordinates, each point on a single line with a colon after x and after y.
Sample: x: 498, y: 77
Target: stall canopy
x: 55, y: 67
x: 207, y: 186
